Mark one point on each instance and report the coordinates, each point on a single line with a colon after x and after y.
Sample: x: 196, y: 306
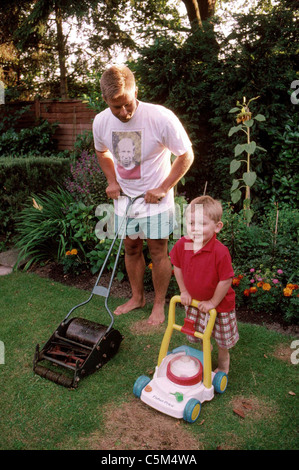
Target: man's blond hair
x: 117, y: 80
x: 211, y: 207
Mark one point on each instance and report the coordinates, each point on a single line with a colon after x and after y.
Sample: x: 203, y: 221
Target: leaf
x: 249, y: 178
x: 234, y: 166
x: 239, y: 148
x: 234, y: 110
x: 250, y: 148
x: 235, y: 185
x: 239, y: 412
x: 249, y: 123
x: 236, y: 195
x: 260, y: 117
x: 234, y: 129
x: 261, y: 148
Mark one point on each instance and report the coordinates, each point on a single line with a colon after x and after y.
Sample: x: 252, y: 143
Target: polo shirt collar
x: 209, y: 246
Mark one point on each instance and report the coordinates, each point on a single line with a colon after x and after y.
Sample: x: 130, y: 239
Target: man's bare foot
x: 128, y: 306
x: 157, y: 316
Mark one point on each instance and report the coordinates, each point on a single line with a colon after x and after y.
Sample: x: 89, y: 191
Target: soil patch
x: 135, y: 426
x: 86, y: 281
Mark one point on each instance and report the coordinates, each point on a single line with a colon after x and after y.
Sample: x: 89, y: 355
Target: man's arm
x: 105, y: 160
x: 179, y: 168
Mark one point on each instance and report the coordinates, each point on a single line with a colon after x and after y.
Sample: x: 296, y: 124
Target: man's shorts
x: 225, y: 330
x: 156, y: 226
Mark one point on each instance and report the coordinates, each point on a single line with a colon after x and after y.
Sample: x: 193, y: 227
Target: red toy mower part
x: 183, y: 378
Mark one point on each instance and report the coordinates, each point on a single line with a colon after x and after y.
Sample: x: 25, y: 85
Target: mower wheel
x: 220, y: 382
x: 139, y: 385
x: 192, y: 410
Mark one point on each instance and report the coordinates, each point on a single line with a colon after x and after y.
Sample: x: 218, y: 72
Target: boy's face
x: 200, y: 228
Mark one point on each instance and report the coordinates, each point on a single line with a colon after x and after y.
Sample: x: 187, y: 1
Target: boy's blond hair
x: 211, y: 207
x: 117, y: 80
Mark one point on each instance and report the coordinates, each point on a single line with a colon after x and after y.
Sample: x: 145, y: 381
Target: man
x: 156, y: 133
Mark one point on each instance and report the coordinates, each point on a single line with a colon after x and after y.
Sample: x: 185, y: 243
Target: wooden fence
x: 73, y: 118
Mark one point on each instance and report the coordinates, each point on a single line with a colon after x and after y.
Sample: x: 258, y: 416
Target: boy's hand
x: 205, y: 305
x: 186, y: 298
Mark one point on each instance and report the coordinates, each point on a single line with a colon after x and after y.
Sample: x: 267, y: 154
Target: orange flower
x: 246, y: 292
x: 68, y: 253
x: 266, y: 286
x: 150, y: 265
x: 260, y: 284
x: 74, y: 252
x: 240, y: 276
x: 252, y: 290
x: 236, y: 281
x: 287, y: 292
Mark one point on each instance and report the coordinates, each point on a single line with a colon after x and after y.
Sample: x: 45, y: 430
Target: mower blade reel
x: 55, y: 377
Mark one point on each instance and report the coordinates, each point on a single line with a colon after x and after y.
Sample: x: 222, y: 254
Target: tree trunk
x: 61, y: 53
x: 199, y: 11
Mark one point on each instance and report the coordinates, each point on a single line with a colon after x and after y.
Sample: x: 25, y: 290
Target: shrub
x: 42, y: 232
x: 20, y: 177
x: 87, y: 182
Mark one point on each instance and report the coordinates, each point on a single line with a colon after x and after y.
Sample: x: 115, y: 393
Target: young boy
x: 203, y: 270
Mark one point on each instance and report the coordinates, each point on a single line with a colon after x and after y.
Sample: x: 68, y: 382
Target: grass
x: 37, y: 414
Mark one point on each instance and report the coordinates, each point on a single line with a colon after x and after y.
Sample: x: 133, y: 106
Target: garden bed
x: 86, y: 281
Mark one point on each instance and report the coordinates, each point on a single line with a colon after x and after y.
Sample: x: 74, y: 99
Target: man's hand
x: 153, y: 196
x: 113, y: 190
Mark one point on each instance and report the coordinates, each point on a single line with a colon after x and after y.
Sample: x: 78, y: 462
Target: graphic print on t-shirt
x: 127, y: 151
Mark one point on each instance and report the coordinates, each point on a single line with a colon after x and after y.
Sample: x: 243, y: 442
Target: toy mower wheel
x: 220, y: 382
x: 192, y: 410
x: 139, y: 385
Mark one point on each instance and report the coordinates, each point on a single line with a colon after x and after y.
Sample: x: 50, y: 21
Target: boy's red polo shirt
x: 203, y: 270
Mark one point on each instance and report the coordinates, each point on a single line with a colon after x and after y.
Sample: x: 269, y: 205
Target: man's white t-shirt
x: 141, y: 150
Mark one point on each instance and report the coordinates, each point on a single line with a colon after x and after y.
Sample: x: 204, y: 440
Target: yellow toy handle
x: 206, y: 337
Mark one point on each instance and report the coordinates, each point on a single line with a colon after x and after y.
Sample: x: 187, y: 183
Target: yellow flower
x: 266, y: 286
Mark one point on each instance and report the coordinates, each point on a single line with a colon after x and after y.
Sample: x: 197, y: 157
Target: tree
x: 199, y: 11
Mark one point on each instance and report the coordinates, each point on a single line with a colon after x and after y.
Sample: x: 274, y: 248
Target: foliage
x: 87, y: 182
x: 35, y: 140
x: 282, y: 182
x: 197, y: 79
x: 42, y: 232
x: 19, y: 177
x: 245, y: 121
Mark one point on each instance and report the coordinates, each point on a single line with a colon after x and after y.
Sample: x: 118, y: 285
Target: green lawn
x: 37, y: 414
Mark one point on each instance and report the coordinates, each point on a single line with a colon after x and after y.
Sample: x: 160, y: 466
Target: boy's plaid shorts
x: 225, y: 330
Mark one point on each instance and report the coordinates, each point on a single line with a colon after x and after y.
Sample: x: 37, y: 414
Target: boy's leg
x: 223, y: 360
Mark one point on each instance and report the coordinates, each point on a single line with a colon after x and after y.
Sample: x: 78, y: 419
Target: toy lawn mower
x: 79, y: 346
x: 183, y: 378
